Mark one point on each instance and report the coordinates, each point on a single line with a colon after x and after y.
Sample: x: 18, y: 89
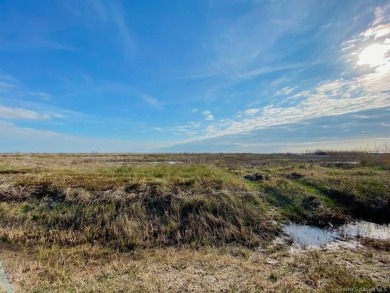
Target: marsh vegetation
x: 92, y: 222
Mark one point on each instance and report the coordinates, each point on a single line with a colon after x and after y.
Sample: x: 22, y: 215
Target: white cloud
x: 335, y: 97
x: 20, y: 113
x: 378, y: 31
x: 194, y: 124
x: 285, y: 91
x: 208, y: 115
x: 375, y: 55
x: 361, y: 90
x: 7, y: 129
x: 361, y: 116
x: 251, y: 112
x: 30, y: 109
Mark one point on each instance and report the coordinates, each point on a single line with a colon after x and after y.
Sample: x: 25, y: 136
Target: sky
x: 194, y: 75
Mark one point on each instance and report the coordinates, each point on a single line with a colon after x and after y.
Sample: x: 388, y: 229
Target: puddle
x: 309, y: 235
x: 165, y: 162
x: 174, y: 162
x: 313, y: 236
x: 342, y: 162
x: 339, y: 164
x: 144, y: 162
x: 365, y: 229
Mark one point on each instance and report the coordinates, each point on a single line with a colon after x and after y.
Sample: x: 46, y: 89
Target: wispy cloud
x: 361, y: 91
x: 16, y: 103
x: 251, y: 112
x: 208, y: 115
x: 285, y: 91
x: 7, y: 128
x: 23, y: 114
x: 8, y: 83
x: 120, y: 22
x: 151, y: 101
x: 240, y: 52
x: 262, y: 70
x: 333, y: 131
x: 6, y: 86
x: 99, y: 8
x: 377, y: 33
x: 330, y: 98
x: 113, y: 14
x: 43, y: 95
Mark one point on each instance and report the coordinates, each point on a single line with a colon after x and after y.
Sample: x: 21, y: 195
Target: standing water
x: 308, y: 235
x: 313, y: 236
x: 366, y: 230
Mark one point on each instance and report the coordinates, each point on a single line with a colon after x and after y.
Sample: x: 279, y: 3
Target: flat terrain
x: 189, y: 222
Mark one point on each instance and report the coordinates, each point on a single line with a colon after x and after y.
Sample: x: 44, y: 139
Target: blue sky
x: 194, y: 75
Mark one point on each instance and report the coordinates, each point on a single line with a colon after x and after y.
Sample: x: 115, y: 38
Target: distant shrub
x: 320, y: 153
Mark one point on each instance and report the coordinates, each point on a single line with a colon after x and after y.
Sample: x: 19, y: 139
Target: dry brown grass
x: 225, y: 269
x: 128, y: 206
x: 143, y: 200
x: 138, y: 223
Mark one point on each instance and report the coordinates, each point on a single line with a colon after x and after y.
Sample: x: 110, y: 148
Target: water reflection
x: 313, y: 236
x: 309, y: 235
x: 365, y: 229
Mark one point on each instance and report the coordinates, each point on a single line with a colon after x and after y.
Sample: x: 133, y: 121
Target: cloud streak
x: 153, y: 102
x: 330, y: 98
x: 350, y: 131
x: 7, y: 129
x: 5, y: 86
x: 112, y: 14
x: 23, y: 114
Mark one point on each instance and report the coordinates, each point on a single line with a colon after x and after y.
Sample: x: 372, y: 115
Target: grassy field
x: 196, y: 222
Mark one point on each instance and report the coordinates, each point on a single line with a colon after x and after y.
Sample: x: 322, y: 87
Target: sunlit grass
x: 87, y: 221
